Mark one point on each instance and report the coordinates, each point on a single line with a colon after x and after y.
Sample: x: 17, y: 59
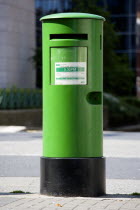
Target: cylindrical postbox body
x: 72, y: 162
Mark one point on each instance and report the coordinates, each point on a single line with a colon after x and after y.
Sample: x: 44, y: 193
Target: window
x: 121, y: 23
x: 121, y: 7
x: 123, y: 42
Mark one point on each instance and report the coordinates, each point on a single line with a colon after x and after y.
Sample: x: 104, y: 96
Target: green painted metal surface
x: 73, y: 15
x: 72, y: 113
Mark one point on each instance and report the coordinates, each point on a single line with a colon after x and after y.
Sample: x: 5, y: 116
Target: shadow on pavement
x: 105, y: 196
x: 8, y: 193
x: 120, y: 196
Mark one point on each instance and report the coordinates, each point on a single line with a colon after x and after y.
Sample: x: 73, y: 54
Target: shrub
x: 17, y: 98
x: 132, y: 101
x: 120, y: 112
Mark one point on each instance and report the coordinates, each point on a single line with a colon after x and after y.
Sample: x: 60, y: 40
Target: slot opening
x: 100, y: 42
x: 94, y: 98
x: 69, y: 36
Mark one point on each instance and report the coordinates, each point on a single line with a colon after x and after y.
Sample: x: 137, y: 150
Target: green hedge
x: 122, y: 111
x: 16, y: 98
x: 132, y: 101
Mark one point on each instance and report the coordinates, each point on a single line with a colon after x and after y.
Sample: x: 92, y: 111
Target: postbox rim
x: 72, y: 15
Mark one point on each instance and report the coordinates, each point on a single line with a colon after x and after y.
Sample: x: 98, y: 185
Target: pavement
x: 20, y: 152
x: 38, y: 202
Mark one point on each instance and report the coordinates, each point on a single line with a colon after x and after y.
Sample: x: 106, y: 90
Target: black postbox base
x: 84, y: 177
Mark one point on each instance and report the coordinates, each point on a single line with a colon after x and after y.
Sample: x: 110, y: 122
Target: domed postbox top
x: 72, y: 15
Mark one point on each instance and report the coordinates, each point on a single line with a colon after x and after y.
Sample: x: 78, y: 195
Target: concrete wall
x: 25, y: 117
x: 17, y: 43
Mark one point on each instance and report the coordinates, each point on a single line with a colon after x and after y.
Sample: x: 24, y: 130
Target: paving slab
x: 40, y: 202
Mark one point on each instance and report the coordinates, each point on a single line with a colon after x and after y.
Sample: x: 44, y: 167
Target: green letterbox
x: 72, y: 162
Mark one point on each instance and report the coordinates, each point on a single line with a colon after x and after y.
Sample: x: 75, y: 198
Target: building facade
x: 17, y: 41
x: 124, y: 16
x: 138, y: 46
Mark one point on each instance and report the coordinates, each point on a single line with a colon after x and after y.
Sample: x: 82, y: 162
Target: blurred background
x: 21, y: 59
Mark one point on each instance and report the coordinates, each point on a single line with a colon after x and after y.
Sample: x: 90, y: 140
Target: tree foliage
x: 37, y: 59
x: 118, y: 77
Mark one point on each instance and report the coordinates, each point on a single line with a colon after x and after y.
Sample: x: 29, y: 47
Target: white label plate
x: 70, y: 73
